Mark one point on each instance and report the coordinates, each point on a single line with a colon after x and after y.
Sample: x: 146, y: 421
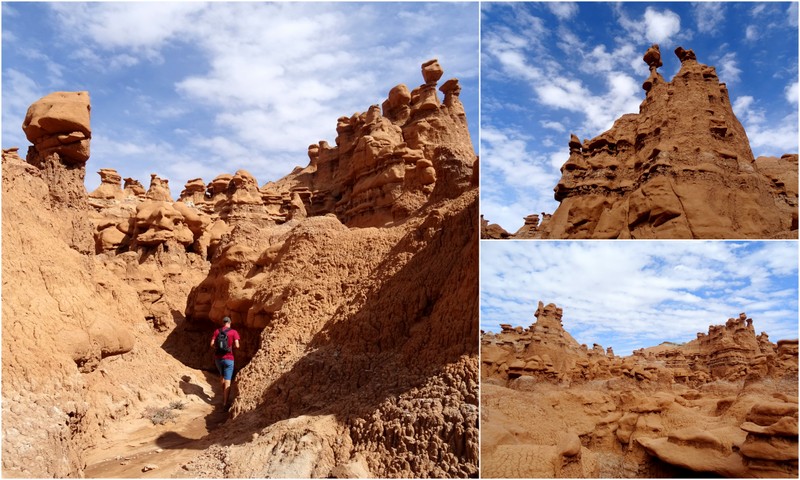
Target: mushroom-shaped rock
x: 193, y: 191
x: 399, y: 96
x: 159, y: 189
x: 684, y: 55
x: 59, y: 123
x: 432, y: 71
x: 134, y: 187
x: 110, y: 185
x: 313, y: 154
x: 574, y: 143
x: 652, y: 57
x: 220, y: 184
x: 158, y: 222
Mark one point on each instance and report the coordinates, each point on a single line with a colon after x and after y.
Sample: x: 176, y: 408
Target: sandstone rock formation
x: 723, y: 404
x: 492, y: 230
x: 359, y: 345
x: 59, y: 124
x: 680, y: 168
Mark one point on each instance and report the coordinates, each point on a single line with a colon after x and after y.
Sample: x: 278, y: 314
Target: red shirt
x: 233, y: 335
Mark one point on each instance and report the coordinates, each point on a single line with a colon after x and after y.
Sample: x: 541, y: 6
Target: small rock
x: 149, y: 467
x: 159, y: 450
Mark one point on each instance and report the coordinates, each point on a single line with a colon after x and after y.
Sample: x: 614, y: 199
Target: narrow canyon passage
x: 132, y: 446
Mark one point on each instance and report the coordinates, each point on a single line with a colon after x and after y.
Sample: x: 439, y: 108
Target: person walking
x: 223, y: 342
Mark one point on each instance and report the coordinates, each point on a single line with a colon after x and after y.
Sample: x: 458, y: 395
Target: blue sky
x: 551, y: 69
x: 630, y: 295
x: 188, y: 90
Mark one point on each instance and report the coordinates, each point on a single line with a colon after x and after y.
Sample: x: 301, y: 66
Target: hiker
x: 223, y: 341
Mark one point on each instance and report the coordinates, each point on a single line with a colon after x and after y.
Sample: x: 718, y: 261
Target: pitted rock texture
x: 680, y: 168
x: 723, y: 404
x: 359, y: 345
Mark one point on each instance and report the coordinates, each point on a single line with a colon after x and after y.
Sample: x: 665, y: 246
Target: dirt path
x: 135, y: 443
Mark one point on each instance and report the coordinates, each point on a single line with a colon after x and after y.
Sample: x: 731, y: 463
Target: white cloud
x: 660, y: 26
x: 563, y: 10
x: 768, y: 135
x: 752, y: 33
x: 515, y: 180
x: 623, y: 96
x: 791, y: 14
x: 557, y: 126
x: 728, y: 67
x: 758, y: 9
x: 143, y: 27
x: 708, y: 15
x: 661, y: 290
x: 791, y: 92
x: 654, y: 26
x: 19, y: 91
x: 741, y: 106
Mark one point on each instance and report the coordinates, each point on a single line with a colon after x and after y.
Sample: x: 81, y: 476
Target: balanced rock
x: 59, y: 123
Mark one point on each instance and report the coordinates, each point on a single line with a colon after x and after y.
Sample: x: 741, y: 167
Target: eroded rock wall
x: 723, y: 404
x: 680, y: 168
x: 366, y: 337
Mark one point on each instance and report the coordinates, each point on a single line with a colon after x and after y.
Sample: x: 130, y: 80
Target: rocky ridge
x: 724, y: 403
x: 365, y: 337
x: 680, y: 168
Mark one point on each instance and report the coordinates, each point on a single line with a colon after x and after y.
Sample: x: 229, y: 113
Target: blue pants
x: 225, y: 368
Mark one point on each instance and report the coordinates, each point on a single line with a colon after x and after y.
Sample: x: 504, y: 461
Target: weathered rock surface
x: 723, y: 404
x: 359, y: 348
x: 59, y: 124
x: 680, y: 168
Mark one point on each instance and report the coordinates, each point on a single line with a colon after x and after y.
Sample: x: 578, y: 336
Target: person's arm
x: 213, y: 337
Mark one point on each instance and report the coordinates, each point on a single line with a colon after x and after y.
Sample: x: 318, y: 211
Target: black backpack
x: 221, y: 342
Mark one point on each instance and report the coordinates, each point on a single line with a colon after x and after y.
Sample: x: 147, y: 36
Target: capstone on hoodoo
x: 680, y: 168
x: 387, y: 163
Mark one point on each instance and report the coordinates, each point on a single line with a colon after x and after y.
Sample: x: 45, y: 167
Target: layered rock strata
x: 680, y: 168
x: 723, y: 404
x: 361, y: 342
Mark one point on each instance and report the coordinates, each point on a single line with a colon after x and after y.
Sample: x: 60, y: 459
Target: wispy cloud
x: 728, y: 66
x: 662, y: 291
x: 708, y: 16
x: 563, y: 10
x: 515, y: 178
x: 654, y: 26
x: 768, y: 135
x: 269, y: 78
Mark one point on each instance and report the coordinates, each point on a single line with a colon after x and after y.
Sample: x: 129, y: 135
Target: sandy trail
x: 134, y: 443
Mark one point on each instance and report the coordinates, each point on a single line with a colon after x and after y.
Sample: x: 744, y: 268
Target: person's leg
x: 226, y: 380
x: 226, y: 386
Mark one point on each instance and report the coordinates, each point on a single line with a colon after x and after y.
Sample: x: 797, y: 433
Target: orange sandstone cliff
x: 724, y: 404
x: 680, y: 168
x: 353, y: 282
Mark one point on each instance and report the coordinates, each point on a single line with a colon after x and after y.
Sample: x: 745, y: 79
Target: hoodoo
x: 724, y: 404
x: 359, y: 345
x: 680, y: 168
